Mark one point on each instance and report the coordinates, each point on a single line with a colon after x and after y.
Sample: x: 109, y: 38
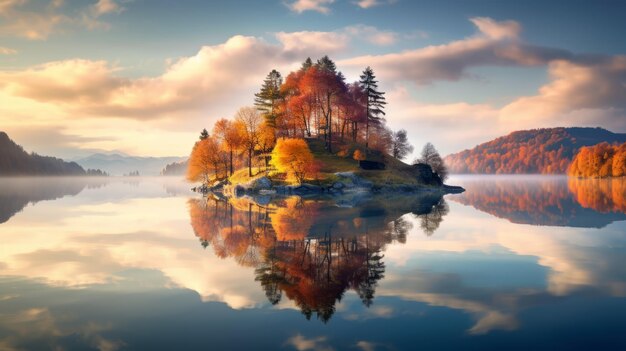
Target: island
x: 310, y: 134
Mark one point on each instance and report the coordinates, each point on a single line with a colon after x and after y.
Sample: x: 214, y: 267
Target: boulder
x: 261, y: 183
x: 425, y: 175
x: 338, y: 185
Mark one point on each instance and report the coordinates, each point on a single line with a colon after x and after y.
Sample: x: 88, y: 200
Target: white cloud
x: 321, y: 6
x: 327, y: 42
x: 373, y: 34
x: 31, y: 20
x: 7, y: 51
x: 302, y: 343
x: 495, y: 44
x: 366, y: 4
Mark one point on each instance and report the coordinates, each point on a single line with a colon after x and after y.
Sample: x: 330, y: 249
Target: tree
x: 203, y: 159
x: 400, y: 146
x: 268, y: 98
x: 230, y: 137
x: 375, y: 101
x: 248, y: 122
x: 431, y: 157
x: 204, y: 134
x: 293, y: 157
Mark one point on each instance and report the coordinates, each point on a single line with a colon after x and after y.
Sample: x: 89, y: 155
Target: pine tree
x: 375, y: 101
x: 204, y: 134
x: 308, y: 63
x: 269, y: 97
x: 326, y: 64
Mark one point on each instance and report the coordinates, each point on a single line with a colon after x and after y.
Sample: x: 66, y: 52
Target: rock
x: 338, y: 185
x: 425, y: 175
x: 261, y: 183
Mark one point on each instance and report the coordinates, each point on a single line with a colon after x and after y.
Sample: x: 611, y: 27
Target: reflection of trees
x: 602, y: 195
x: 16, y: 193
x: 279, y: 240
x: 584, y: 203
x: 429, y: 222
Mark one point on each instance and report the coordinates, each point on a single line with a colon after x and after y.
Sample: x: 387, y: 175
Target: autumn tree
x: 248, y: 121
x: 374, y: 103
x: 400, y: 146
x: 293, y: 157
x: 431, y: 157
x: 203, y: 160
x: 230, y: 139
x: 268, y: 98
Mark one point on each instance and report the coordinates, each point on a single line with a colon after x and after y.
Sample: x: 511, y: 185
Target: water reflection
x: 312, y: 251
x: 17, y: 193
x: 554, y: 201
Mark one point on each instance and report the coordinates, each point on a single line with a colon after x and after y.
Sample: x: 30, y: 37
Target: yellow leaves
x: 293, y: 157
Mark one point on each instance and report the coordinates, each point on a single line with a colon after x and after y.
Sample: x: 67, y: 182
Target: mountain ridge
x: 533, y: 151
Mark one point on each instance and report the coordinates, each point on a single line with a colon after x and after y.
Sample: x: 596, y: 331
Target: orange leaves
x: 599, y: 161
x: 293, y: 157
x: 358, y: 155
x: 203, y: 160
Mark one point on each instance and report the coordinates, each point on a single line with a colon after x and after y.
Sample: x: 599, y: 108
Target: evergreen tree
x: 326, y: 64
x: 375, y: 101
x: 308, y: 63
x: 269, y: 97
x: 204, y: 134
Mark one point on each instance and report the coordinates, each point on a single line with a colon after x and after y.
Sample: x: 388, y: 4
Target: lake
x: 514, y: 263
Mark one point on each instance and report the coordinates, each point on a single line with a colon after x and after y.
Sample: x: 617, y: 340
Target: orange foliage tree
x: 358, y: 155
x: 599, y: 161
x: 293, y: 157
x: 204, y: 159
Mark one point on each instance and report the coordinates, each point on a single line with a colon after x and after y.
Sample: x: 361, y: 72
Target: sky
x: 143, y: 77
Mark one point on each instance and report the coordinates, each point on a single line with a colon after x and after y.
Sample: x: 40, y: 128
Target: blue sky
x: 457, y: 72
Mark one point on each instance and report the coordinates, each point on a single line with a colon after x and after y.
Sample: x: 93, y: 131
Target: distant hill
x: 116, y: 164
x: 544, y: 151
x: 175, y: 168
x: 15, y: 161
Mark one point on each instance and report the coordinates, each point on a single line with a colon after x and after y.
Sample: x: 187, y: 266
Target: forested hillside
x: 15, y: 161
x: 544, y: 151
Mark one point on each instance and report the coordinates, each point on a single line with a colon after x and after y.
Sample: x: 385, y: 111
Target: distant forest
x: 15, y: 161
x: 537, y: 151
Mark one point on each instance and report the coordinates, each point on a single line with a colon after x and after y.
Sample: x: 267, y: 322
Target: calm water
x: 524, y: 263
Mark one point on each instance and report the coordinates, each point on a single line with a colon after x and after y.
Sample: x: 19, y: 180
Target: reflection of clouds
x: 93, y: 242
x: 578, y: 261
x: 302, y: 343
x: 39, y: 325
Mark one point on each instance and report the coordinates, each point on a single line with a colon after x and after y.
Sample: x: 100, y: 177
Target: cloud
x: 495, y: 44
x: 211, y: 81
x: 7, y: 51
x: 37, y: 20
x: 320, y: 6
x: 372, y: 34
x: 302, y: 343
x: 327, y: 42
x: 366, y: 4
x: 587, y: 91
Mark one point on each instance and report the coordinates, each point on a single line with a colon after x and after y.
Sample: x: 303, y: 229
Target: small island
x: 311, y: 134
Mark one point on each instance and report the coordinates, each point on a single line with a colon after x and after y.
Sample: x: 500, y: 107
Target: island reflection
x: 551, y: 201
x: 312, y: 251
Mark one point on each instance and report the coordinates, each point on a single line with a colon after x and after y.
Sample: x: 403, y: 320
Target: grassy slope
x: 396, y: 171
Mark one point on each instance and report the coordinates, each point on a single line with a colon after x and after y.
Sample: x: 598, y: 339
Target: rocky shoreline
x: 347, y: 182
